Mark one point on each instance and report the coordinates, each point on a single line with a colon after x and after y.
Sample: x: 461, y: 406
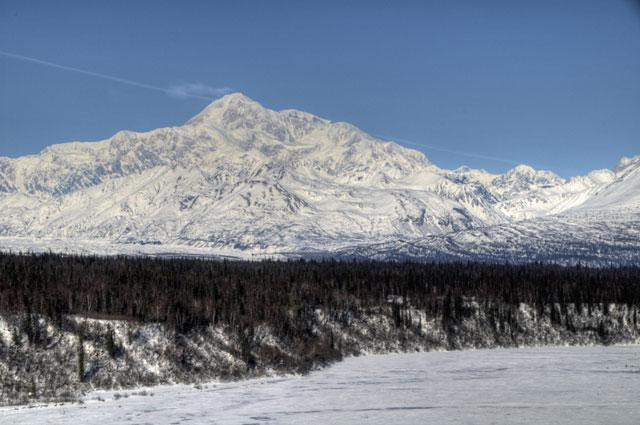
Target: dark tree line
x: 186, y: 293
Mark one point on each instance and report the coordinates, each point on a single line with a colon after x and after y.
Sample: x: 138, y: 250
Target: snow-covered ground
x: 564, y: 385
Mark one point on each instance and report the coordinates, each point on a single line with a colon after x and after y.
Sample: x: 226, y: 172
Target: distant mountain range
x: 242, y: 180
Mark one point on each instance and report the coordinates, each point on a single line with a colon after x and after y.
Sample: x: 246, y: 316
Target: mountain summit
x: 243, y: 179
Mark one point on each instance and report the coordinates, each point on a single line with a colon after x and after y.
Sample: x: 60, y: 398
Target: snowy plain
x: 545, y: 385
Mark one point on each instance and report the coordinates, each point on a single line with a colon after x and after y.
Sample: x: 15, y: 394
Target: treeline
x: 188, y: 293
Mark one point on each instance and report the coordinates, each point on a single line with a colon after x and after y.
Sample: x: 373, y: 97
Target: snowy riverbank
x: 569, y: 385
x: 122, y: 355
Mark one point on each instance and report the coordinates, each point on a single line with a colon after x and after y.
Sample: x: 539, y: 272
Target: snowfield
x: 548, y: 385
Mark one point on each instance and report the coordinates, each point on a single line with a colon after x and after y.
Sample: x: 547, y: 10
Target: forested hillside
x: 74, y: 323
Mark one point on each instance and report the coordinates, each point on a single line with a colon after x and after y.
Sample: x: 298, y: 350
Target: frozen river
x: 567, y: 385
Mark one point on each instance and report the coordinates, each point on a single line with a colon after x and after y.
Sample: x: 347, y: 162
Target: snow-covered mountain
x: 244, y: 179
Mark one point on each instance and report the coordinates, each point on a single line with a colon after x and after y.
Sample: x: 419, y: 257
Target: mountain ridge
x: 243, y: 177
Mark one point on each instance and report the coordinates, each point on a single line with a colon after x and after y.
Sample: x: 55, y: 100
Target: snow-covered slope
x: 241, y: 177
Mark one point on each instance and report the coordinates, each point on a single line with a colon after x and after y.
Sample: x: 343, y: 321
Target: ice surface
x: 558, y: 385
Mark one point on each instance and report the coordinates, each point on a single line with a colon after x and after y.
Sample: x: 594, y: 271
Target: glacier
x: 239, y: 180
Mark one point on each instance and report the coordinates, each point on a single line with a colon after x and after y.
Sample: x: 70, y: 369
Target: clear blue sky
x: 555, y: 84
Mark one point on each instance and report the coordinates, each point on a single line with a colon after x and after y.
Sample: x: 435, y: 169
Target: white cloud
x: 197, y: 90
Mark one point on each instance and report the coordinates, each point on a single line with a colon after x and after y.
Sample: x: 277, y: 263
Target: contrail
x: 165, y: 90
x: 454, y: 152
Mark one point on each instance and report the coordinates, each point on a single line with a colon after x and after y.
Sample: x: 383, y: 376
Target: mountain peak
x: 530, y: 173
x: 234, y: 98
x: 240, y: 114
x: 228, y: 108
x: 522, y: 169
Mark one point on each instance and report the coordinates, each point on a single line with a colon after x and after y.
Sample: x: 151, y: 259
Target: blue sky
x: 555, y: 84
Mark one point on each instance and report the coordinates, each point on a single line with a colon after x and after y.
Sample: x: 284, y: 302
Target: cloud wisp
x: 197, y: 90
x: 182, y: 91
